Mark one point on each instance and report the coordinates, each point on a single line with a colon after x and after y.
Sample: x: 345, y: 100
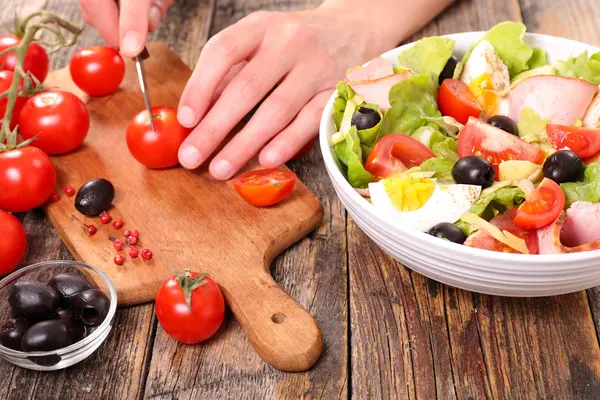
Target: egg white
x: 485, y: 60
x: 446, y: 204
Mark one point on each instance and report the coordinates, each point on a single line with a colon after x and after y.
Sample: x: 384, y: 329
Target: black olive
x: 446, y: 230
x: 473, y: 170
x: 12, y: 332
x: 94, y: 197
x: 34, y: 301
x: 91, y: 306
x: 564, y: 166
x: 449, y: 68
x: 67, y: 286
x: 504, y: 123
x: 365, y: 118
x: 46, y: 336
x: 74, y: 325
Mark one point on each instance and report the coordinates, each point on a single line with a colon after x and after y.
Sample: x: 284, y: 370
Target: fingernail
x: 131, y: 44
x: 186, y: 116
x: 154, y: 17
x: 220, y: 169
x: 272, y: 159
x: 190, y: 157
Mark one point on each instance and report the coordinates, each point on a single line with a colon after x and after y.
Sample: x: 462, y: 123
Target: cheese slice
x: 505, y: 237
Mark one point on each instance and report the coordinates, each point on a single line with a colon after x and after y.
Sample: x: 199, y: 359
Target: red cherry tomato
x: 457, y: 101
x: 6, y: 78
x: 305, y: 150
x: 495, y: 145
x: 36, y: 59
x: 97, y: 70
x: 541, y: 207
x: 483, y: 240
x: 190, y: 316
x: 583, y: 141
x: 396, y: 153
x: 265, y: 187
x: 156, y: 150
x: 59, y: 119
x: 27, y: 179
x: 13, y: 243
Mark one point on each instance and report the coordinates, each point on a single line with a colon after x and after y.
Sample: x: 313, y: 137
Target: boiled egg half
x: 420, y: 203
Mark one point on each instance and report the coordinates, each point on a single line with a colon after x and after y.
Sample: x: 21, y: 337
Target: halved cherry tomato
x: 495, y: 145
x: 58, y: 119
x: 6, y: 78
x: 457, y: 101
x: 156, y: 149
x: 583, y: 141
x: 36, y: 59
x: 265, y: 187
x: 504, y: 222
x: 306, y: 149
x: 396, y: 153
x: 541, y: 207
x: 97, y: 70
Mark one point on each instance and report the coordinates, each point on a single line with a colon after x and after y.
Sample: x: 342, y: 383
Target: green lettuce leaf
x: 345, y: 93
x: 441, y: 166
x: 369, y: 136
x: 507, y: 40
x: 588, y: 190
x: 441, y: 145
x: 538, y: 58
x: 532, y: 128
x: 581, y: 67
x: 411, y: 100
x: 427, y: 56
x: 349, y: 152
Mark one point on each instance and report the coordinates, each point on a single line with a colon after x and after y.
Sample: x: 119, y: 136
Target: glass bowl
x: 67, y: 356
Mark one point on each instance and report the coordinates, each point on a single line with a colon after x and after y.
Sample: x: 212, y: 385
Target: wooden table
x: 389, y: 333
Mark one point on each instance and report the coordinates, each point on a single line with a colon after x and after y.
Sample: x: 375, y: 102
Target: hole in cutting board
x: 278, y: 318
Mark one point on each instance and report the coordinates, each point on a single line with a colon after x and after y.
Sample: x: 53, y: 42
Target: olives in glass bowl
x: 54, y: 314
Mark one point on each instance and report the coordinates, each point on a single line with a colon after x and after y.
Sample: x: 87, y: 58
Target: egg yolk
x: 483, y: 89
x: 408, y: 194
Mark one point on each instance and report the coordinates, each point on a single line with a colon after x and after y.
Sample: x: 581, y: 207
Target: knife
x: 141, y: 74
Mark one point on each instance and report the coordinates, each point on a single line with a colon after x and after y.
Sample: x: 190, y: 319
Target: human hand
x: 125, y: 29
x: 301, y: 55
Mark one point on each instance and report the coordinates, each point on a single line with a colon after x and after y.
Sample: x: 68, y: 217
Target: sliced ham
x: 561, y: 100
x: 377, y: 91
x: 591, y: 119
x: 376, y: 68
x: 576, y: 230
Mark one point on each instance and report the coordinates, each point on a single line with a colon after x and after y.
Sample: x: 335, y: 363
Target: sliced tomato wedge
x: 457, y: 101
x: 541, y: 207
x: 265, y: 187
x: 495, y: 145
x: 504, y: 222
x: 583, y: 141
x: 393, y: 154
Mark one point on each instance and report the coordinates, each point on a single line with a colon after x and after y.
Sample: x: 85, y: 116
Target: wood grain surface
x: 388, y: 332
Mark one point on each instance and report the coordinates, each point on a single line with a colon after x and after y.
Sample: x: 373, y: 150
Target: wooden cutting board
x: 187, y: 219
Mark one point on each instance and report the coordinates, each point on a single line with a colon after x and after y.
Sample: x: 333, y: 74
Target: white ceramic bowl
x: 457, y: 265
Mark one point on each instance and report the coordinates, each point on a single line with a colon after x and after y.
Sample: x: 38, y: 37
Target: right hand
x: 128, y: 29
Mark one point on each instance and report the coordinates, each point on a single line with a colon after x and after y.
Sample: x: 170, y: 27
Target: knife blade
x: 141, y: 74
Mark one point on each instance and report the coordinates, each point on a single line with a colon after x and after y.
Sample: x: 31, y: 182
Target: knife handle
x: 144, y: 54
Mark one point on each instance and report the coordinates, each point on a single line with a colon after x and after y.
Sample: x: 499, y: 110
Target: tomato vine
x: 27, y: 30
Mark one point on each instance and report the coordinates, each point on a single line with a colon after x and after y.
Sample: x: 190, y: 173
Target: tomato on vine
x: 190, y: 307
x: 13, y: 243
x: 97, y: 70
x: 27, y: 179
x: 58, y: 120
x: 6, y: 78
x: 36, y: 59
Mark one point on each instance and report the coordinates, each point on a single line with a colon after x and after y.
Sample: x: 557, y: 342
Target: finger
x: 277, y: 111
x: 245, y: 90
x: 227, y: 48
x: 85, y: 16
x: 133, y: 26
x: 228, y: 78
x: 291, y: 140
x: 158, y: 9
x: 104, y: 16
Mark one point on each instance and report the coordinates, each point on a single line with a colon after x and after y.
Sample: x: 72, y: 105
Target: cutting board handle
x: 283, y: 334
